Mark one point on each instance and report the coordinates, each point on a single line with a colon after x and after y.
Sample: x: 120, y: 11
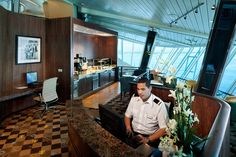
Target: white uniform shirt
x: 148, y: 116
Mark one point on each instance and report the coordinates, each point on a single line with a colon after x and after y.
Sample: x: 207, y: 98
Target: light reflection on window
x: 187, y: 60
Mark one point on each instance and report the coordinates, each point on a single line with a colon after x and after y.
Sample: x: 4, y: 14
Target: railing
x: 126, y: 70
x: 222, y: 95
x: 129, y: 70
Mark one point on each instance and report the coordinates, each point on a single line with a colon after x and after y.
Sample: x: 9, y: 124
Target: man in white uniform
x: 146, y: 115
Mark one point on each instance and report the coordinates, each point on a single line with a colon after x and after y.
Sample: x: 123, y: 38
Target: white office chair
x: 49, y: 93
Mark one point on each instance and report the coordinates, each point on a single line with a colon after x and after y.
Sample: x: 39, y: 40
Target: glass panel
x: 120, y: 52
x: 7, y: 4
x: 129, y: 53
x: 137, y: 54
x: 227, y: 84
x: 186, y: 60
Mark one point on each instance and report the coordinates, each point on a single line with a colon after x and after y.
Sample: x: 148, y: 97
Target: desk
x: 16, y: 100
x: 87, y: 138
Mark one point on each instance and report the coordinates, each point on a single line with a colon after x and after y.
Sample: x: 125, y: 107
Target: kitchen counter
x: 88, y: 138
x: 94, y: 70
x: 93, y: 79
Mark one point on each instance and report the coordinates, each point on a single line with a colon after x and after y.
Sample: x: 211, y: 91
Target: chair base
x: 45, y: 110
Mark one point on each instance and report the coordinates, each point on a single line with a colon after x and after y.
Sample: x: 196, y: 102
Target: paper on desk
x: 21, y: 87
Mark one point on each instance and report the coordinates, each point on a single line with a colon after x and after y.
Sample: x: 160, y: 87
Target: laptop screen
x: 31, y: 77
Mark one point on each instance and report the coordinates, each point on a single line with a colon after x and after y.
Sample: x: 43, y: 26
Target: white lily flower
x: 183, y: 120
x: 169, y: 78
x: 172, y: 124
x: 195, y: 118
x: 188, y: 113
x: 172, y: 69
x: 193, y: 97
x: 172, y: 94
x: 180, y: 85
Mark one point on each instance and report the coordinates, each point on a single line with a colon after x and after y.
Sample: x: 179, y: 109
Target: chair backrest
x: 125, y: 83
x: 192, y: 84
x: 49, y: 90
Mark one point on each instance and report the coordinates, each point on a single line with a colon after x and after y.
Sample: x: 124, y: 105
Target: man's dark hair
x: 144, y: 80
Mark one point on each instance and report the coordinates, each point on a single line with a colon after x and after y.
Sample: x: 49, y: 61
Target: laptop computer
x: 32, y: 79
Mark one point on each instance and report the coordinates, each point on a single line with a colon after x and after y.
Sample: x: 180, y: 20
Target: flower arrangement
x: 171, y: 79
x: 180, y: 129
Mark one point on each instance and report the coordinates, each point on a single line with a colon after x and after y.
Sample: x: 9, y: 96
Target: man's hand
x: 129, y: 132
x: 143, y: 139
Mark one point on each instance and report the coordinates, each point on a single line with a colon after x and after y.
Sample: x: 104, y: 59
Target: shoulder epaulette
x: 156, y: 101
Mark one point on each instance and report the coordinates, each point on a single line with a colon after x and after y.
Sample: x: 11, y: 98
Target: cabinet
x: 103, y: 78
x: 93, y: 81
x: 19, y: 100
x: 106, y: 77
x: 85, y: 85
x: 75, y: 88
x: 112, y: 75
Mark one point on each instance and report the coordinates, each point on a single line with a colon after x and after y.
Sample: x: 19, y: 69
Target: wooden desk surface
x: 16, y: 93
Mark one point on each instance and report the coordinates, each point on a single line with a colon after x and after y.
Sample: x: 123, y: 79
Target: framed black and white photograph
x: 28, y: 49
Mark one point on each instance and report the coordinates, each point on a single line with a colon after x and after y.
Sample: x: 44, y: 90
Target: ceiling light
x: 85, y: 30
x: 213, y: 7
x: 184, y: 16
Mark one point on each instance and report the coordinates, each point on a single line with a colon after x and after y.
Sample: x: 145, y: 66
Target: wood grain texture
x: 108, y: 48
x: 3, y: 50
x: 58, y: 56
x: 56, y: 46
x: 94, y: 46
x: 13, y: 24
x: 13, y: 75
x: 85, y: 45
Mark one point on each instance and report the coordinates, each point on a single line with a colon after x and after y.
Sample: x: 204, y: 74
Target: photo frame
x: 28, y: 49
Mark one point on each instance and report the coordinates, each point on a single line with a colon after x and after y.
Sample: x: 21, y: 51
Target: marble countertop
x: 98, y: 139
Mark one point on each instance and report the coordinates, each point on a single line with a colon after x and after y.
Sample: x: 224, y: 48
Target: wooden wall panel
x: 3, y: 34
x: 56, y: 45
x: 13, y: 75
x: 93, y: 46
x: 29, y: 26
x: 85, y: 45
x: 108, y: 48
x: 59, y: 54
